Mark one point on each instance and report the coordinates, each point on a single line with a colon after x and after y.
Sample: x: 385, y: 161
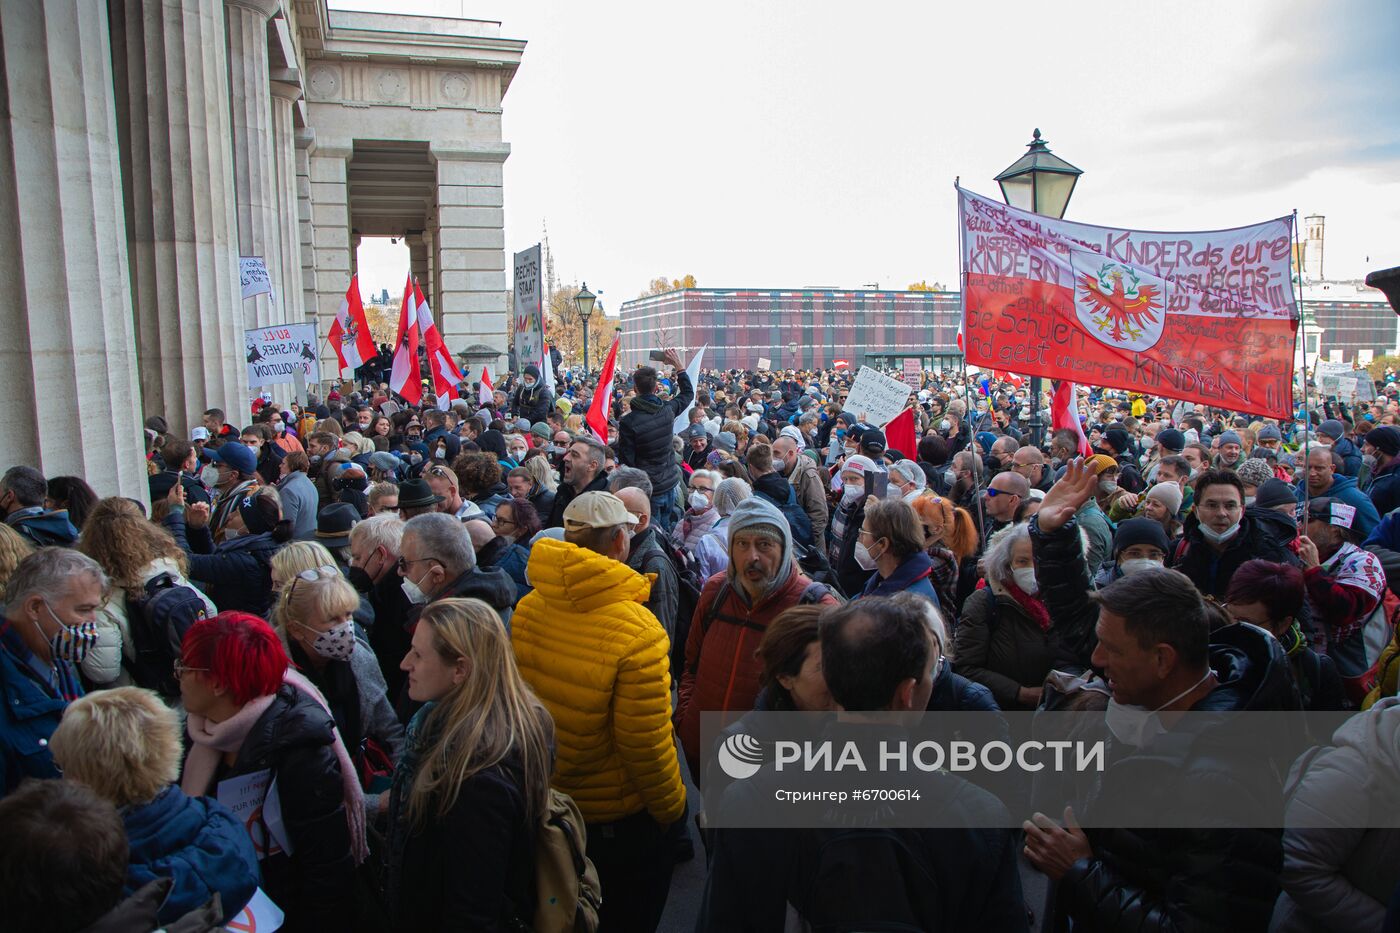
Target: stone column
x: 286, y: 91
x: 418, y: 261
x: 255, y: 171
x: 181, y: 226
x: 305, y: 143
x: 430, y: 275
x: 333, y: 256
x: 68, y: 357
x: 471, y: 247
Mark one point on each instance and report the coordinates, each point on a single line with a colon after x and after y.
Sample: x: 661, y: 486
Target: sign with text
x: 252, y: 275
x: 913, y: 373
x: 529, y: 317
x: 1340, y: 380
x: 278, y: 353
x: 876, y: 397
x: 1206, y: 316
x: 765, y: 363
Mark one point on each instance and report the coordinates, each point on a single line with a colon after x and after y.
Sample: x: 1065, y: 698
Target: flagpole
x: 1303, y: 335
x: 977, y: 465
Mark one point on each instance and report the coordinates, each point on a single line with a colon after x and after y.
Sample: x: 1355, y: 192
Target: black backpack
x: 689, y: 583
x: 159, y: 618
x: 798, y: 520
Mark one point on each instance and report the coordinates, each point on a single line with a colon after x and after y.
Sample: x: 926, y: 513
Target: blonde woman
x: 14, y: 547
x: 125, y: 745
x: 473, y: 783
x: 138, y: 557
x: 315, y: 617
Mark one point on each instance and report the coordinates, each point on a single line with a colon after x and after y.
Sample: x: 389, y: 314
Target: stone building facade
x: 145, y: 145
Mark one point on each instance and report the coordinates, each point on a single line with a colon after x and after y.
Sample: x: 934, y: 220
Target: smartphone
x: 876, y: 484
x: 657, y: 355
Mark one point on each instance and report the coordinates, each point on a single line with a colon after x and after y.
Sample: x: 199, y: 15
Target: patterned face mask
x: 72, y: 642
x: 336, y: 643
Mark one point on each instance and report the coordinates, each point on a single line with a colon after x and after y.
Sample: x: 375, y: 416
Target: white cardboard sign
x: 879, y: 396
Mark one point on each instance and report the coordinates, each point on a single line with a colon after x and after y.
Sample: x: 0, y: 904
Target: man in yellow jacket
x: 598, y: 659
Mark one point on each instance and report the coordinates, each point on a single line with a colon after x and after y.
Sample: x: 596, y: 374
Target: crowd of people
x: 444, y: 667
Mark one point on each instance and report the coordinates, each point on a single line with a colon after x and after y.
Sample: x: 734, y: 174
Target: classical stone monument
x: 145, y: 145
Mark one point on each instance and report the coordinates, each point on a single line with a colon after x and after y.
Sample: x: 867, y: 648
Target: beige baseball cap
x: 597, y: 510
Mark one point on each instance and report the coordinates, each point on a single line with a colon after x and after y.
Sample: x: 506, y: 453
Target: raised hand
x: 1067, y: 496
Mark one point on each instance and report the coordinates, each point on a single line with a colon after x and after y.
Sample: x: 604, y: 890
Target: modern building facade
x: 795, y: 329
x: 148, y: 144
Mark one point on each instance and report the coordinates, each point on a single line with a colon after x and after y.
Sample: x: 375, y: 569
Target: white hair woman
x: 473, y: 783
x: 700, y: 513
x: 1004, y: 639
x: 712, y: 551
x: 125, y: 745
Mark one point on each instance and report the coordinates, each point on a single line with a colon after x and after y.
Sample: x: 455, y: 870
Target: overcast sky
x: 778, y: 143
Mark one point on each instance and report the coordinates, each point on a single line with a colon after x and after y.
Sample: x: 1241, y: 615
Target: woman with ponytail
x: 237, y: 574
x: 950, y: 537
x: 261, y: 734
x: 473, y: 783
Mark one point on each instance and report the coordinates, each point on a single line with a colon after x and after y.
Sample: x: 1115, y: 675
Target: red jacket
x: 721, y: 669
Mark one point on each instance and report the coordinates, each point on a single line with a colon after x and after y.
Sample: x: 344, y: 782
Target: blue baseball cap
x: 236, y: 454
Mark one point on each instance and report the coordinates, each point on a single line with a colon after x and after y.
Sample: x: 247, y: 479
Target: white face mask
x: 1136, y: 564
x: 850, y: 494
x: 864, y: 558
x: 1248, y: 501
x: 209, y: 476
x: 529, y: 383
x: 1219, y: 537
x: 1137, y: 725
x: 337, y: 643
x: 699, y: 501
x: 780, y: 465
x: 413, y: 592
x: 1025, y: 579
x: 912, y: 494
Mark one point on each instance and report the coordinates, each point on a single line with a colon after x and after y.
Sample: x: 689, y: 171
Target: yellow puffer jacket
x: 598, y: 660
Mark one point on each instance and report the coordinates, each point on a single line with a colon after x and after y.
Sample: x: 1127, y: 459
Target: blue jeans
x: 663, y: 509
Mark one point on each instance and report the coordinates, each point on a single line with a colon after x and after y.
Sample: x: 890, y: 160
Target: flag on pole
x: 446, y: 375
x: 349, y: 333
x: 900, y: 434
x: 547, y: 368
x: 404, y: 378
x: 483, y: 392
x: 693, y: 371
x: 602, y: 397
x: 1064, y: 413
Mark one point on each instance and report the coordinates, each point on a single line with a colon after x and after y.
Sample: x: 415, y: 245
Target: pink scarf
x: 213, y: 740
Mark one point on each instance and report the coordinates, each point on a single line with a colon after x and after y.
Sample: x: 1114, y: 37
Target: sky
x: 792, y: 143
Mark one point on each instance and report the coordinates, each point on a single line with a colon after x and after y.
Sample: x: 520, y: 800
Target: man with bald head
x: 1003, y: 451
x: 646, y: 556
x: 806, y: 479
x: 1325, y: 479
x: 1030, y: 463
x: 1005, y: 494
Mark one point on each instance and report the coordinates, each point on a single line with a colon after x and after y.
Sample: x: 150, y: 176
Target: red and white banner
x: 602, y: 397
x: 446, y: 375
x: 1064, y: 413
x: 349, y: 333
x: 405, y: 379
x: 1205, y: 316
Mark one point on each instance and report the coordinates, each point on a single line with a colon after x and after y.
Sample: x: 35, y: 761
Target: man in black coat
x: 532, y: 399
x: 645, y: 434
x: 583, y: 472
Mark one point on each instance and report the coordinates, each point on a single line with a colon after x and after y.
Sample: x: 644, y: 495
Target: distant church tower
x: 1313, y: 230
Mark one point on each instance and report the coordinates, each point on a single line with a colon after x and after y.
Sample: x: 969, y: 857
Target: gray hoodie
x: 757, y: 510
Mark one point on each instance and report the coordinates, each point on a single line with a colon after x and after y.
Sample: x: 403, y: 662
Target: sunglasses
x: 993, y: 492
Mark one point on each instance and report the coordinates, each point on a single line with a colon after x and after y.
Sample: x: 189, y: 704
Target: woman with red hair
x: 262, y: 733
x: 950, y: 537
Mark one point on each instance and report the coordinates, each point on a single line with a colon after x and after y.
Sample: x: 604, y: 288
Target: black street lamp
x: 1041, y: 182
x: 583, y: 302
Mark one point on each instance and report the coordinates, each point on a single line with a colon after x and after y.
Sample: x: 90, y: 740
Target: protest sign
x: 878, y: 396
x: 1205, y: 316
x: 529, y: 319
x: 765, y: 363
x: 260, y: 915
x: 275, y: 354
x: 913, y: 372
x: 245, y: 797
x: 252, y: 275
x: 1340, y: 380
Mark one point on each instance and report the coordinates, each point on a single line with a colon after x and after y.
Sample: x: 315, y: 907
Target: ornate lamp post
x: 1042, y: 182
x: 583, y: 302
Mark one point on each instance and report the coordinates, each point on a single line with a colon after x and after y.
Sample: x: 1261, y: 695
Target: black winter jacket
x: 644, y: 435
x: 566, y: 494
x: 1194, y: 879
x: 534, y: 403
x: 1002, y: 648
x: 1062, y: 572
x: 1264, y: 534
x: 236, y: 574
x: 316, y: 884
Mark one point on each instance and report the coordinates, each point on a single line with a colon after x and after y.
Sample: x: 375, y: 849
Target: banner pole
x: 1303, y: 335
x: 977, y: 464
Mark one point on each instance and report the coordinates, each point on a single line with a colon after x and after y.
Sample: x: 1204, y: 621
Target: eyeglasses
x: 181, y: 670
x: 404, y: 562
